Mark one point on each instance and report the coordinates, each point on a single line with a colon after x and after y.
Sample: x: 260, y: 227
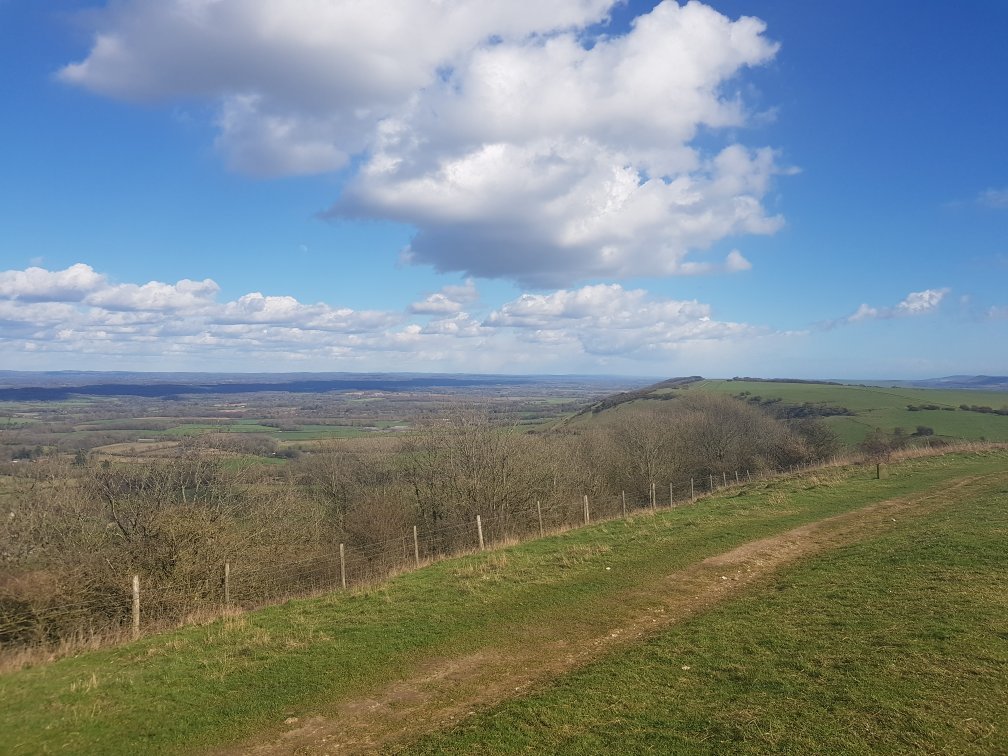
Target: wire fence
x: 138, y: 604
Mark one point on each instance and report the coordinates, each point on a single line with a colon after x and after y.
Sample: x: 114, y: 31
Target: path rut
x: 446, y: 690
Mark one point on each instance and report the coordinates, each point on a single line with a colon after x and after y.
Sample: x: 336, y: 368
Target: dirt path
x: 447, y: 690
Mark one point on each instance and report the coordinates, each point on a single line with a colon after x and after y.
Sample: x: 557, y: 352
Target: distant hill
x: 957, y: 407
x: 61, y: 385
x: 973, y: 382
x: 654, y: 391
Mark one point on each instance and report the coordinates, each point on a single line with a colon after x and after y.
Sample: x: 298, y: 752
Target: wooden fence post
x: 136, y: 607
x: 479, y: 530
x: 587, y: 516
x: 692, y: 493
x: 416, y: 546
x: 539, y: 512
x: 342, y: 565
x: 227, y: 584
x: 748, y: 476
x: 724, y: 478
x: 737, y: 481
x: 623, y: 496
x: 671, y: 500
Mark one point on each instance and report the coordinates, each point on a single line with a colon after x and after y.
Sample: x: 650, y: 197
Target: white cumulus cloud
x: 40, y: 285
x: 607, y: 319
x: 450, y: 300
x: 915, y: 303
x: 127, y: 323
x: 300, y: 85
x: 518, y: 142
x: 154, y: 295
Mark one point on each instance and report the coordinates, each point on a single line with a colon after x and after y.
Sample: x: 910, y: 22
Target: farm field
x: 875, y: 407
x: 110, y: 424
x: 527, y: 631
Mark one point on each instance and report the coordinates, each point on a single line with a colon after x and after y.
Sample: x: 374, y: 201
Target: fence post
x: 136, y: 607
x: 737, y: 481
x: 479, y: 530
x: 748, y: 476
x: 227, y: 584
x: 587, y: 516
x: 654, y: 496
x: 671, y: 500
x: 692, y: 493
x: 724, y: 478
x: 342, y: 565
x: 416, y: 547
x: 539, y: 512
x: 623, y: 496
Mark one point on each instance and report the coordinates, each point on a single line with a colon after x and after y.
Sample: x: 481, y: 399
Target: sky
x: 747, y: 187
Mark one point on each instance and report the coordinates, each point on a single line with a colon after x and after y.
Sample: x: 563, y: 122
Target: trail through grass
x: 896, y: 644
x: 214, y: 684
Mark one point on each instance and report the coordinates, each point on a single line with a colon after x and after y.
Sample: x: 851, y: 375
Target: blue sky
x: 568, y: 187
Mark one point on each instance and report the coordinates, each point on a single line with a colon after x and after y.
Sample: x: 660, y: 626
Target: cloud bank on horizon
x: 521, y: 140
x: 80, y: 311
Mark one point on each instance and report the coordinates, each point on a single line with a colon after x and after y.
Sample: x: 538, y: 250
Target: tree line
x: 72, y: 533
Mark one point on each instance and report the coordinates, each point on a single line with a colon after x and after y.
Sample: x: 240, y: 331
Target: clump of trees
x: 983, y: 409
x: 75, y: 532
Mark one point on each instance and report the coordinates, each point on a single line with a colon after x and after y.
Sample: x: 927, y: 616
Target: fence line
x: 144, y: 605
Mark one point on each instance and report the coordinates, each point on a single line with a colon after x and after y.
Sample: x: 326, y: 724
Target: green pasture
x: 303, y: 432
x: 896, y: 644
x: 883, y: 408
x: 240, y: 677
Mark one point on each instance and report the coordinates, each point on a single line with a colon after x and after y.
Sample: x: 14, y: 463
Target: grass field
x: 303, y: 432
x: 895, y: 644
x: 241, y: 676
x: 880, y: 407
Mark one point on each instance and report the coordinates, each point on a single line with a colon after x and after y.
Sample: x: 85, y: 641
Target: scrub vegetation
x: 891, y: 641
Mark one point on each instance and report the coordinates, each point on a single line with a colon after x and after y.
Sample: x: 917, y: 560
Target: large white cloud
x: 300, y: 84
x: 40, y: 285
x: 154, y: 295
x: 549, y: 162
x: 518, y: 143
x: 608, y: 319
x: 256, y: 309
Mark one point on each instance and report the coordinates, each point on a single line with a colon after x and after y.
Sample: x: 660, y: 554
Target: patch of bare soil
x: 447, y: 690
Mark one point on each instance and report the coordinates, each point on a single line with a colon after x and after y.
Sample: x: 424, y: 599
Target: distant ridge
x: 628, y: 396
x: 57, y: 386
x: 787, y: 380
x: 175, y: 390
x: 976, y: 382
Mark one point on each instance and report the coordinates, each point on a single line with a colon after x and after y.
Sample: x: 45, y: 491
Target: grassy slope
x: 880, y: 407
x: 895, y: 644
x: 211, y: 684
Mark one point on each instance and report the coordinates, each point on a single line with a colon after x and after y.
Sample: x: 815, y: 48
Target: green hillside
x: 871, y: 407
x: 835, y: 655
x: 466, y: 630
